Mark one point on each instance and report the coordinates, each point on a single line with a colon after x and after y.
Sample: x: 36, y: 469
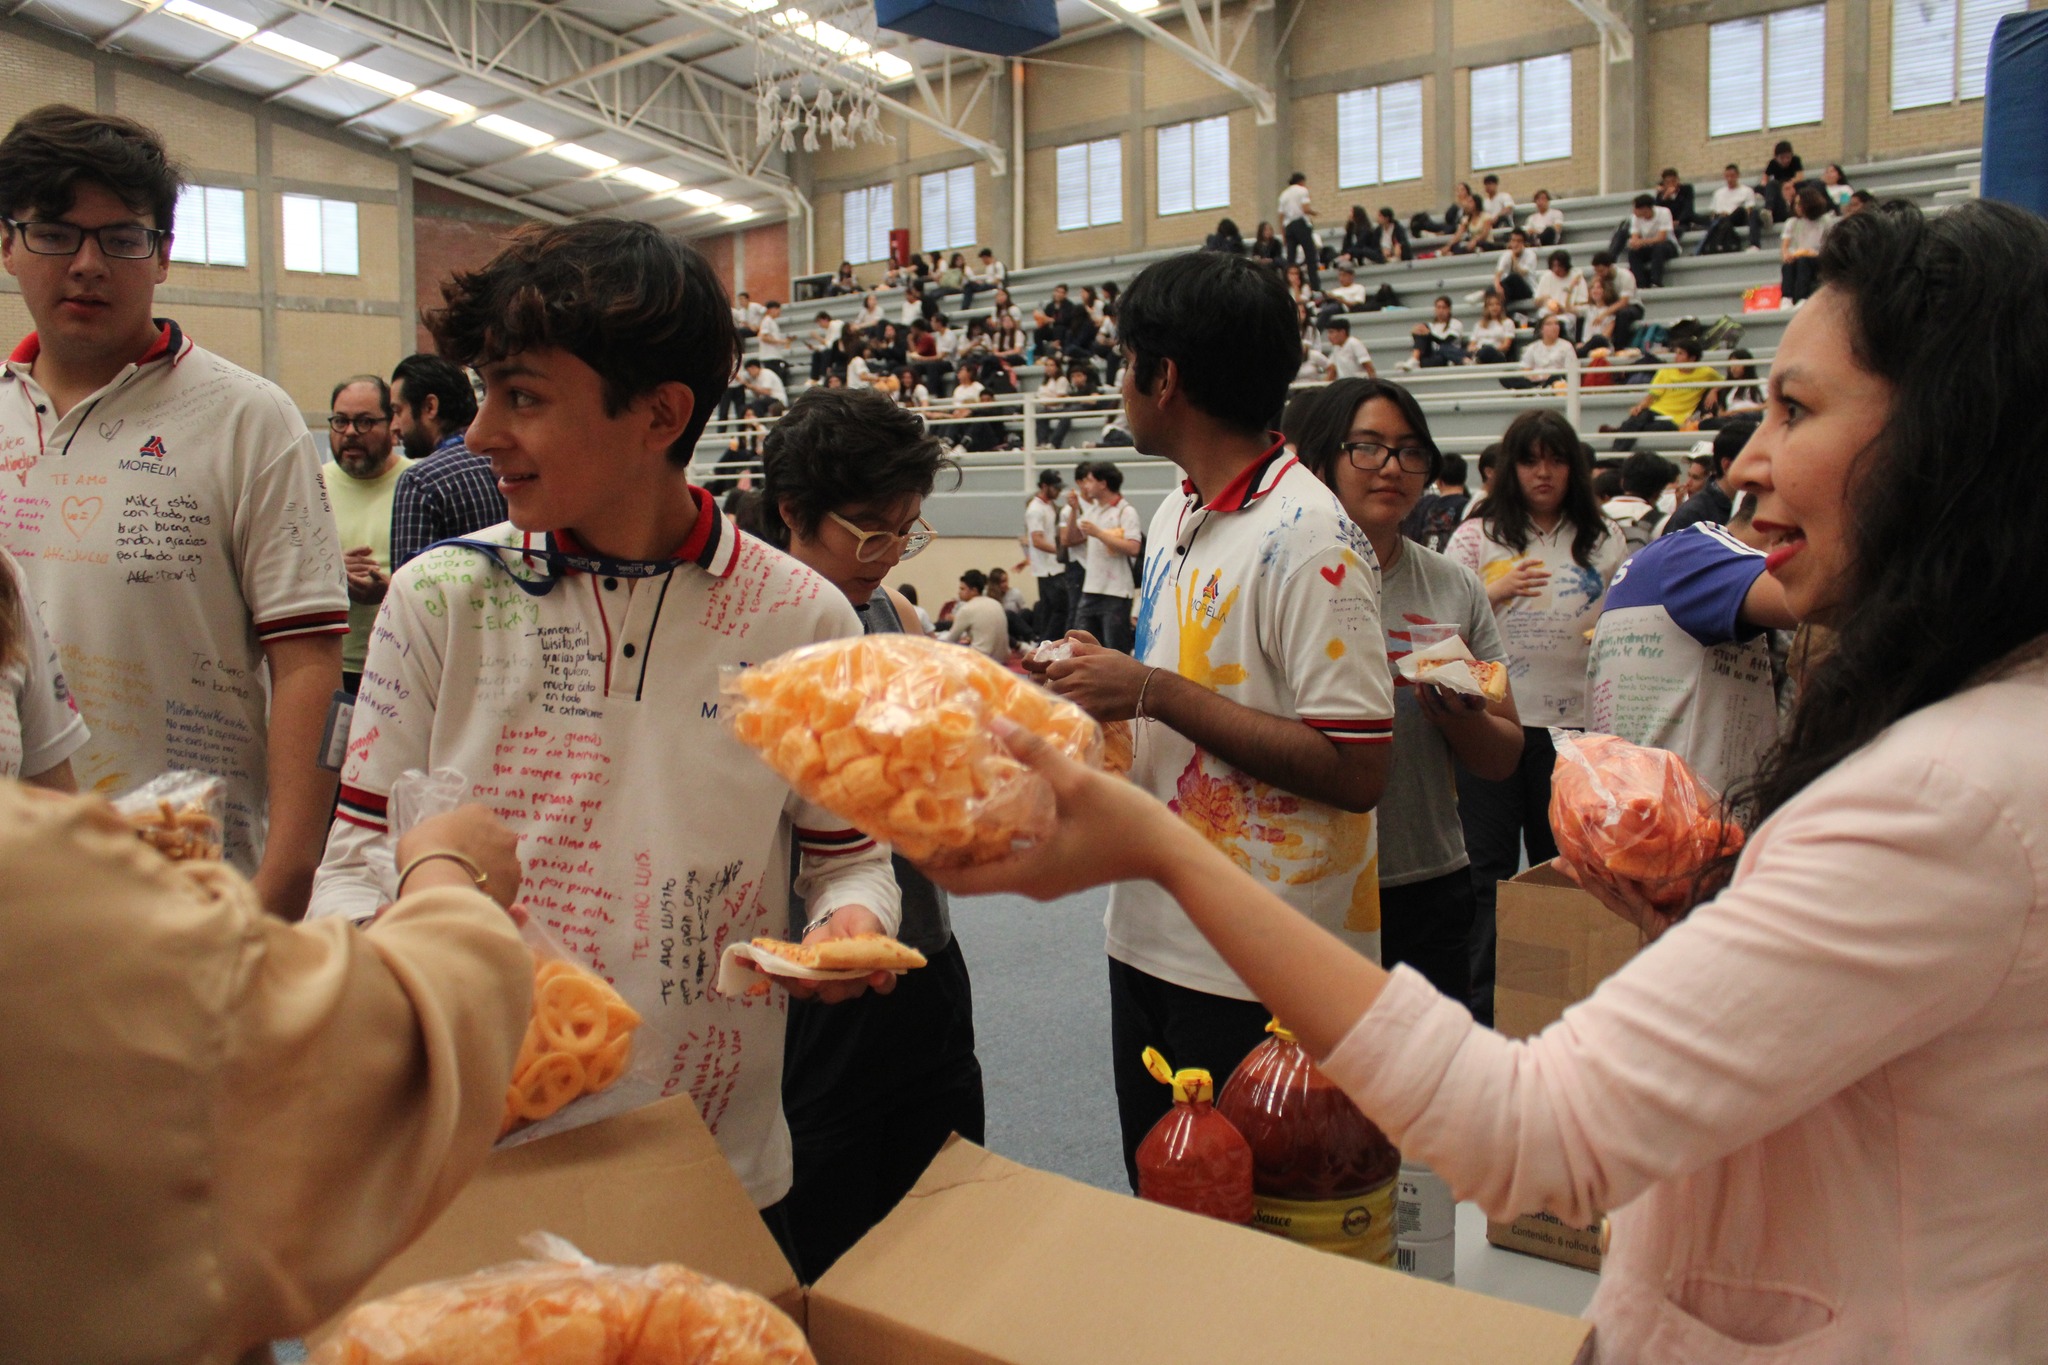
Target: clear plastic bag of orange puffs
x: 891, y: 733
x: 562, y: 1308
x: 587, y: 1054
x: 1635, y: 817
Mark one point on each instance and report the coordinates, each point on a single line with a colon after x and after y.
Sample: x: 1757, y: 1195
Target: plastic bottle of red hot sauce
x: 1322, y: 1173
x: 1193, y: 1159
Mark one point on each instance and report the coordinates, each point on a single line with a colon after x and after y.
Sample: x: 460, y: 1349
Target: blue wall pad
x: 2016, y: 113
x: 1002, y: 27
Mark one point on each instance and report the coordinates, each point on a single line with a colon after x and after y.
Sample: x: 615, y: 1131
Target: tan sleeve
x: 364, y: 1080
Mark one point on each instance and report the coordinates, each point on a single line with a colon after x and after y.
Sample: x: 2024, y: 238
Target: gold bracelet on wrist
x: 476, y: 874
x: 1138, y: 711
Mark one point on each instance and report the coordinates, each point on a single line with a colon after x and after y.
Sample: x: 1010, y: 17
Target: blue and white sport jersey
x: 1672, y: 664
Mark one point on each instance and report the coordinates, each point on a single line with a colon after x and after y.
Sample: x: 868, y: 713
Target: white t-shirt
x: 1315, y: 366
x: 858, y: 375
x: 1672, y: 665
x: 869, y: 315
x: 979, y: 623
x: 588, y: 720
x: 946, y: 344
x: 1498, y: 204
x: 993, y: 273
x: 1545, y: 635
x: 1622, y: 284
x: 1806, y: 234
x: 1269, y: 596
x: 1351, y: 359
x: 1041, y: 518
x: 773, y: 344
x: 1569, y: 290
x: 1727, y: 200
x: 169, y: 526
x: 1353, y: 294
x: 912, y: 310
x: 1443, y: 331
x: 1103, y: 570
x: 1523, y: 262
x: 749, y: 315
x: 1641, y: 229
x: 1552, y: 358
x: 1542, y: 221
x: 767, y: 379
x: 1498, y: 333
x: 967, y: 394
x: 1291, y: 201
x: 39, y: 723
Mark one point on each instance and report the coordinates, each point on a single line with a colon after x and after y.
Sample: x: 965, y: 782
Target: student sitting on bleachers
x: 1349, y: 358
x: 1393, y: 238
x: 1799, y: 247
x: 1677, y: 196
x: 843, y: 282
x: 1440, y: 341
x: 1624, y: 312
x: 987, y: 273
x: 1560, y: 292
x: 1546, y: 225
x: 870, y: 313
x: 1474, y: 228
x: 1226, y: 238
x: 1496, y: 203
x: 1493, y: 336
x: 1783, y: 174
x: 1836, y: 186
x: 1515, y: 271
x: 1673, y: 397
x: 1546, y: 360
x: 1652, y: 240
x: 1361, y: 245
x: 823, y: 336
x: 1266, y: 247
x: 1734, y: 205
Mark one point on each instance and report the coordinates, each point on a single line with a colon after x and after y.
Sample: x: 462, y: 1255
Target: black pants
x: 1428, y: 925
x: 1721, y: 232
x: 1799, y: 277
x: 1054, y: 610
x: 1548, y: 237
x: 872, y: 1089
x: 1108, y: 618
x: 1301, y: 235
x: 1190, y: 1028
x: 1515, y: 289
x: 1625, y: 321
x: 1494, y: 355
x: 1776, y: 200
x: 1500, y: 819
x: 1648, y: 263
x: 1076, y: 575
x: 1431, y: 350
x: 1646, y: 420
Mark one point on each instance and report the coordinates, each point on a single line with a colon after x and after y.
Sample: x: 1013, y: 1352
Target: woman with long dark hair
x: 1361, y: 240
x: 1266, y: 247
x: 1368, y: 440
x: 1546, y: 556
x: 1816, y: 1103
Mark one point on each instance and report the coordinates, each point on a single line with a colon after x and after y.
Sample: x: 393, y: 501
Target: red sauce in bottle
x: 1194, y: 1159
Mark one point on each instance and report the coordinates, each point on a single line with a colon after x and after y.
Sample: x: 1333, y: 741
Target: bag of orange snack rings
x: 565, y: 1309
x: 1625, y: 813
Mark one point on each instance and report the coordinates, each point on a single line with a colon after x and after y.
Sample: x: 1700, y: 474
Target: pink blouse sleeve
x: 1880, y: 908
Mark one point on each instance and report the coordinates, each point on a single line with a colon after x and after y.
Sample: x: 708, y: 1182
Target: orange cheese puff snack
x: 1625, y: 813
x: 891, y: 734
x: 568, y: 1312
x: 178, y: 814
x: 579, y: 1041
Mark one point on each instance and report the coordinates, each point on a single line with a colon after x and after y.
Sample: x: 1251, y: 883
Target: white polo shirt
x: 1269, y: 596
x: 1042, y: 518
x: 169, y: 526
x: 1641, y: 229
x: 588, y: 720
x: 39, y: 723
x: 1350, y: 359
x: 1103, y: 570
x: 1733, y: 199
x: 1545, y: 635
x: 1292, y: 201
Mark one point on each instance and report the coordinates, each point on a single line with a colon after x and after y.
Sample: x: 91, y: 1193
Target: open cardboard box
x: 1553, y: 944
x: 985, y: 1262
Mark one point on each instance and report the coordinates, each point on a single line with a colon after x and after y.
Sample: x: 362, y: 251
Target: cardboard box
x: 1554, y: 944
x: 984, y: 1263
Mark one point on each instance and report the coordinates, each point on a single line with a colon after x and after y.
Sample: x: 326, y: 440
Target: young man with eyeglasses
x: 872, y: 1088
x: 165, y: 505
x: 361, y: 483
x: 1259, y: 678
x: 568, y: 664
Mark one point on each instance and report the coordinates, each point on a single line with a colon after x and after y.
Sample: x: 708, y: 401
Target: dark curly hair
x: 1947, y: 505
x: 838, y: 447
x: 50, y: 151
x: 640, y: 307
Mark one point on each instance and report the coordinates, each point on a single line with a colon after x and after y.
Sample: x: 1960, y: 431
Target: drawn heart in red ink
x: 1335, y: 575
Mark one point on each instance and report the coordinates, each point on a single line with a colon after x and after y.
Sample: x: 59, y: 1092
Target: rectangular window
x: 320, y: 236
x: 211, y: 227
x: 1767, y: 72
x: 1940, y: 47
x: 1379, y: 135
x: 947, y: 201
x: 1522, y: 112
x: 1091, y: 184
x: 1194, y: 166
x: 870, y: 214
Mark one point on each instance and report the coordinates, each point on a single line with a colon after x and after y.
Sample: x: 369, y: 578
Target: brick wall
x: 769, y: 261
x: 451, y: 232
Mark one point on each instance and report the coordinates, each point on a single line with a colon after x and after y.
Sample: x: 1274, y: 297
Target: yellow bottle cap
x: 1189, y: 1084
x: 1280, y: 1031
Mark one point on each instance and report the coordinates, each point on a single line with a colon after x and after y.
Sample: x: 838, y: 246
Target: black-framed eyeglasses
x: 340, y: 423
x: 1371, y: 456
x: 122, y: 241
x: 871, y: 546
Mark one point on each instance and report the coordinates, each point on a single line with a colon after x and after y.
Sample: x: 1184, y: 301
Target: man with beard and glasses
x: 360, y: 485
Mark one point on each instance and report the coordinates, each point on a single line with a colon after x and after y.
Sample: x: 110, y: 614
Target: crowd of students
x: 1813, y: 1103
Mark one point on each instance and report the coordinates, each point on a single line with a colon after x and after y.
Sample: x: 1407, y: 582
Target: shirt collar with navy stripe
x: 712, y: 545
x: 170, y: 341
x: 1253, y: 482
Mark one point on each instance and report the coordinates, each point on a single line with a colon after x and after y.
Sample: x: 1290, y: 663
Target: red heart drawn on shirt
x: 1336, y: 575
x: 80, y: 514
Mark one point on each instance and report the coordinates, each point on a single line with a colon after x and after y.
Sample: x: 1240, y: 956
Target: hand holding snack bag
x: 891, y: 733
x: 179, y: 815
x: 564, y: 1307
x: 579, y: 1044
x: 1634, y: 822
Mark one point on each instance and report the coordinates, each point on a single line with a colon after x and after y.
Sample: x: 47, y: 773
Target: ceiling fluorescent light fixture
x: 752, y: 6
x: 238, y: 29
x: 887, y: 65
x: 376, y: 80
x: 583, y: 156
x: 646, y: 180
x: 513, y: 131
x: 702, y: 199
x: 1137, y: 6
x: 443, y: 105
x: 295, y: 50
x: 734, y: 213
